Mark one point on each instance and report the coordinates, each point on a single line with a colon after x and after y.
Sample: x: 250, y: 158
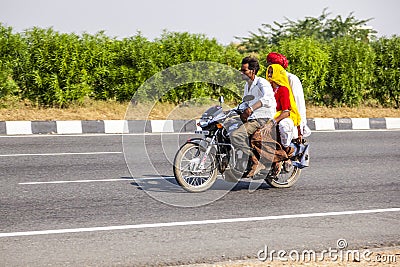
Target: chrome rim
x: 189, y: 167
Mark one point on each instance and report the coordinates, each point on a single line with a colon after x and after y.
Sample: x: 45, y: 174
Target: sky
x: 220, y: 19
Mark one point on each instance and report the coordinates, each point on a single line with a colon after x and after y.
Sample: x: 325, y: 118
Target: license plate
x: 202, y: 132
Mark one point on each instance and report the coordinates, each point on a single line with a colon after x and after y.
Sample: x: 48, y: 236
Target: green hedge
x: 344, y: 72
x: 386, y: 88
x: 309, y: 60
x: 55, y: 69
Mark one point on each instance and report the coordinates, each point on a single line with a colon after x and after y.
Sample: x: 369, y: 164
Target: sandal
x: 287, y: 166
x: 276, y: 168
x: 255, y: 169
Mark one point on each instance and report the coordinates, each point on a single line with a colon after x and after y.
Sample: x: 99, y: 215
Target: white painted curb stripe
x: 322, y: 124
x: 116, y: 126
x: 360, y: 123
x: 392, y: 123
x: 167, y: 126
x: 186, y: 223
x: 59, y: 154
x: 18, y: 127
x: 69, y: 127
x: 162, y: 126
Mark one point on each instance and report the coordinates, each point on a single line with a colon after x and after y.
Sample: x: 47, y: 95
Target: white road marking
x: 59, y: 154
x: 94, y: 181
x: 204, y: 222
x: 75, y: 181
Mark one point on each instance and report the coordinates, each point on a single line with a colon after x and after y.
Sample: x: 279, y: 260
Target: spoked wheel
x: 190, y: 172
x: 287, y: 176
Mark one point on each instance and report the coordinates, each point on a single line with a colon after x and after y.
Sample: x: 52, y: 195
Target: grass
x: 112, y: 110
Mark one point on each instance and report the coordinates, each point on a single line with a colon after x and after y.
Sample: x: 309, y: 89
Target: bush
x: 11, y: 47
x: 336, y: 73
x: 351, y: 72
x: 309, y: 59
x: 54, y: 69
x: 387, y: 71
x: 177, y: 48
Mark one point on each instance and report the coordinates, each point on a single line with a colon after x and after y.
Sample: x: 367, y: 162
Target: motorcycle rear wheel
x: 284, y: 179
x: 186, y: 170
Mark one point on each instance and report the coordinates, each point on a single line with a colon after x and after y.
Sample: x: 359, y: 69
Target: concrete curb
x: 171, y: 126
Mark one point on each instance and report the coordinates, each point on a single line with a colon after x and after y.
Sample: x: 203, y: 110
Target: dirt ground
x: 112, y: 110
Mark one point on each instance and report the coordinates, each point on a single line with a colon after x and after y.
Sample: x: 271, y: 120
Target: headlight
x: 203, y: 122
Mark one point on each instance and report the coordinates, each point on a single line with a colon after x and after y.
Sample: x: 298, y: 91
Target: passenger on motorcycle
x: 262, y: 107
x: 297, y: 90
x: 287, y: 116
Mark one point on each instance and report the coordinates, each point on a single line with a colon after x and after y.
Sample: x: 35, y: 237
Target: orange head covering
x: 280, y: 77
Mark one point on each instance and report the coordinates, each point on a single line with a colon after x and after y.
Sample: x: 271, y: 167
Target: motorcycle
x: 198, y: 161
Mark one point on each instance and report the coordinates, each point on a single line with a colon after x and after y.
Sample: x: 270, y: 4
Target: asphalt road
x: 76, y: 201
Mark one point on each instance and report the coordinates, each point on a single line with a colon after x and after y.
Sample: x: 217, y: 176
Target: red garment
x: 282, y: 98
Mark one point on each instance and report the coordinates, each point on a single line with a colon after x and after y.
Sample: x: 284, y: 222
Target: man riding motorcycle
x: 240, y: 148
x: 261, y: 108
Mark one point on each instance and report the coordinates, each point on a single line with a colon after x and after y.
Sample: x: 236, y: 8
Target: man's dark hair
x: 253, y: 63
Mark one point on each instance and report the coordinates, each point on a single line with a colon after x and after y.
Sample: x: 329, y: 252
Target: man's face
x: 246, y: 73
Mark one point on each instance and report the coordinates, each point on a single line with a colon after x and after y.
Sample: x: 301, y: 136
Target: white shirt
x: 298, y: 94
x: 262, y: 91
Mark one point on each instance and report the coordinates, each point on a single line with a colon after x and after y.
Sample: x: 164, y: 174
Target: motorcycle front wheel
x: 285, y: 179
x: 189, y: 170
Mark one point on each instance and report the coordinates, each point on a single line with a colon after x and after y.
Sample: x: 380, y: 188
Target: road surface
x: 77, y: 200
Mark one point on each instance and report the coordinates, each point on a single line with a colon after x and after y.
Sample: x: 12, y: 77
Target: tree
x: 321, y: 28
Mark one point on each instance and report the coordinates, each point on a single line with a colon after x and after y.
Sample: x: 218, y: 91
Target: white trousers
x: 287, y: 131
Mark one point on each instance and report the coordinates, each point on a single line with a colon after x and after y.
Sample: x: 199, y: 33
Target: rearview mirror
x: 248, y: 98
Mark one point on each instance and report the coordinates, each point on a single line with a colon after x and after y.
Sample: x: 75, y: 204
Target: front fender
x: 199, y: 141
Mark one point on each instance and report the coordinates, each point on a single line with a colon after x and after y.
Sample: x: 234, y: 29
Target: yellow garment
x: 279, y: 76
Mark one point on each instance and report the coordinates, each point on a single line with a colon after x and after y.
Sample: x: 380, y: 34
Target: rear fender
x: 303, y: 155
